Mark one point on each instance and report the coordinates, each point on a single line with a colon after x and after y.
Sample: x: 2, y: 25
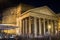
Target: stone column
x: 26, y: 26
x: 29, y: 26
x: 23, y: 26
x: 44, y: 25
x: 39, y: 26
x: 48, y: 26
x: 52, y: 26
x: 35, y: 27
x: 56, y: 26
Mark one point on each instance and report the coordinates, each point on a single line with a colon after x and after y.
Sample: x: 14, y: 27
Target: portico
x: 38, y: 21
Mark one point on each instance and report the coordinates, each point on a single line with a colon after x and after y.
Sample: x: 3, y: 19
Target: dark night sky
x: 7, y: 4
x: 53, y: 4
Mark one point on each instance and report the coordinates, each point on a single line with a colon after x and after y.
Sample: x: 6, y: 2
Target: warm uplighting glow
x: 17, y: 31
x: 59, y: 25
x: 8, y: 28
x: 11, y: 31
x: 49, y: 26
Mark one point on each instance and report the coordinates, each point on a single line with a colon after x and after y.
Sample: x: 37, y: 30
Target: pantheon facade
x: 37, y: 22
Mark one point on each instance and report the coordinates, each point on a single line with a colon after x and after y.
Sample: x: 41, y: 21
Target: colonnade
x: 38, y: 26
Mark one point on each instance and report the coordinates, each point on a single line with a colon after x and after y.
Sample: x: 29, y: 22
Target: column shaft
x: 35, y: 27
x: 26, y: 26
x: 22, y: 26
x: 48, y: 26
x: 56, y: 26
x: 44, y: 25
x: 40, y: 26
x: 52, y: 26
x: 29, y: 26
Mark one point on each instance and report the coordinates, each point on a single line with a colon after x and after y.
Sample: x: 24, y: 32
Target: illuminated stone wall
x: 10, y: 14
x: 12, y: 31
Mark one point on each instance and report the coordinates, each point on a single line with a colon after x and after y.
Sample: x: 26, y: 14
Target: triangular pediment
x: 43, y: 10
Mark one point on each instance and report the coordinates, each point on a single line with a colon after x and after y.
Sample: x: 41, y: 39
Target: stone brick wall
x: 10, y: 15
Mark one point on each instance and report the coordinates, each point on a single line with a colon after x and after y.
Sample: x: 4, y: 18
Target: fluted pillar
x: 44, y: 24
x: 35, y: 27
x: 52, y: 26
x: 48, y: 26
x: 26, y: 26
x: 56, y: 26
x: 29, y: 26
x: 39, y: 26
x: 23, y: 27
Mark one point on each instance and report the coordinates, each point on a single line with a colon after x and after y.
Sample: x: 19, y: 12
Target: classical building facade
x: 37, y: 21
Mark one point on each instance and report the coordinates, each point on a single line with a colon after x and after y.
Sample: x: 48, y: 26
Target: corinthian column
x: 25, y: 26
x: 40, y: 26
x: 52, y: 26
x: 29, y: 26
x: 35, y: 27
x: 44, y: 25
